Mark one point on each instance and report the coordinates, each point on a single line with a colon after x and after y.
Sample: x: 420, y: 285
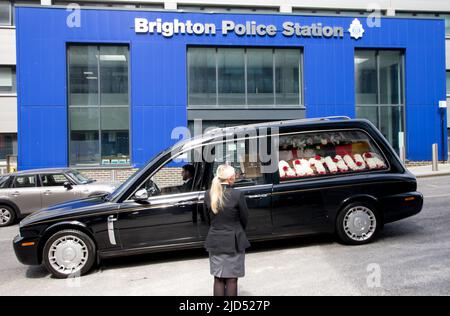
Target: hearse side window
x: 176, y: 176
x: 327, y: 153
x: 243, y: 156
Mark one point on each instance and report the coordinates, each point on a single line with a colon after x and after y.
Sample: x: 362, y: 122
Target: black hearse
x: 328, y: 175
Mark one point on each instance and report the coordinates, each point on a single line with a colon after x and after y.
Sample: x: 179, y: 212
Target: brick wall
x: 164, y: 178
x: 108, y: 175
x: 168, y: 177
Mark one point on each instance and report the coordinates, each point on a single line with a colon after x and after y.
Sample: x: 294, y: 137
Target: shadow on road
x: 408, y: 229
x: 193, y: 254
x: 37, y: 272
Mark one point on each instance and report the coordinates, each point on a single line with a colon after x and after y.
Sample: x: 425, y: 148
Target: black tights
x: 225, y: 287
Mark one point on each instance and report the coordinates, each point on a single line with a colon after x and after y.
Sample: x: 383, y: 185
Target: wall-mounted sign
x: 356, y: 29
x: 249, y: 29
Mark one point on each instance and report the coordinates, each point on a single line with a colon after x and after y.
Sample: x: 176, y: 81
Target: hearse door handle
x: 258, y: 196
x: 134, y: 214
x: 185, y: 204
x: 16, y: 194
x: 47, y: 192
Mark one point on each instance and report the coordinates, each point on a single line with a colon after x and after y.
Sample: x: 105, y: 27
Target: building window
x: 380, y: 92
x: 351, y: 13
x: 195, y: 8
x: 447, y: 25
x: 8, y: 145
x: 429, y: 15
x: 448, y: 83
x: 99, y: 105
x: 7, y: 79
x: 244, y: 77
x: 6, y: 13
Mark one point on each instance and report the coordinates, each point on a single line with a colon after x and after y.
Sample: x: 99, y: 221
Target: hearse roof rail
x: 278, y: 123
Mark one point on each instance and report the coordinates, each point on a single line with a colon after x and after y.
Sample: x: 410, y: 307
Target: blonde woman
x: 227, y: 213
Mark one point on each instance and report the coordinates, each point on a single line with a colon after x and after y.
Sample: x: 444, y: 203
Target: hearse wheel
x: 69, y: 253
x: 358, y: 224
x: 7, y: 216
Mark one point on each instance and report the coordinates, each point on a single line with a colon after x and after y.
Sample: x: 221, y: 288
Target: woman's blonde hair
x: 224, y: 172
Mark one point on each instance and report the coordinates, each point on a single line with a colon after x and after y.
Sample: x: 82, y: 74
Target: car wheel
x: 358, y: 224
x: 7, y: 216
x: 69, y: 253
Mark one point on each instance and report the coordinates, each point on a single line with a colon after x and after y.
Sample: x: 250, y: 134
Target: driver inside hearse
x: 171, y: 181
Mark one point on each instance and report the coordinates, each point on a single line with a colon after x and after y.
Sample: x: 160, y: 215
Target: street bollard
x: 435, y: 157
x: 403, y: 154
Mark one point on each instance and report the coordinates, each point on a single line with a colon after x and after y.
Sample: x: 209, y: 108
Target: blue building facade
x: 331, y: 50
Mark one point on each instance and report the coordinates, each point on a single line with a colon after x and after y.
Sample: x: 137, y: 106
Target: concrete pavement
x: 427, y: 171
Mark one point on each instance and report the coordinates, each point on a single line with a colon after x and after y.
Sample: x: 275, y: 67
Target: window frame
x: 402, y: 92
x: 7, y: 182
x: 277, y: 178
x: 13, y: 91
x: 447, y: 82
x: 165, y: 162
x: 246, y: 105
x: 268, y: 177
x: 13, y: 182
x: 11, y: 15
x: 52, y: 174
x: 171, y: 157
x: 99, y: 106
x: 13, y: 145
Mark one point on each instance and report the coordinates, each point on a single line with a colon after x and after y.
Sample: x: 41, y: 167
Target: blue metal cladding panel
x: 45, y: 128
x: 158, y: 74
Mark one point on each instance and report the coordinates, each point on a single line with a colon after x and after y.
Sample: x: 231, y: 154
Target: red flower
x: 359, y: 163
x: 318, y: 157
x: 297, y: 162
x: 368, y: 155
x: 335, y: 160
x: 285, y: 169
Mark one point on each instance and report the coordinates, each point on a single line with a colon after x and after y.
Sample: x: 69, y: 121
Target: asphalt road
x: 411, y: 257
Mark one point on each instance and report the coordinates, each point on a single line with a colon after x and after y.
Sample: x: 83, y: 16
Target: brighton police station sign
x: 249, y: 28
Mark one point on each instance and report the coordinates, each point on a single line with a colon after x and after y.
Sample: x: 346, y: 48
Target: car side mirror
x: 68, y: 186
x: 141, y: 196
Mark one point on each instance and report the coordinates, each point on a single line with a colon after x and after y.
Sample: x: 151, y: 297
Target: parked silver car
x: 24, y: 192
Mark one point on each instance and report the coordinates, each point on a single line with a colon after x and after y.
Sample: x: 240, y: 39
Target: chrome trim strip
x: 111, y: 233
x: 193, y: 245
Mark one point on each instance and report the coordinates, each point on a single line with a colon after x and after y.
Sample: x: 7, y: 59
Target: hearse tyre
x: 69, y: 253
x: 7, y: 216
x: 358, y: 223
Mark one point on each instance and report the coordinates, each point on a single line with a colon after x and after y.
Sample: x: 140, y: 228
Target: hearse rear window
x: 328, y: 153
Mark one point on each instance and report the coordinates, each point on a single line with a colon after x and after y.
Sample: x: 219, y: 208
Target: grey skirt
x: 227, y: 265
